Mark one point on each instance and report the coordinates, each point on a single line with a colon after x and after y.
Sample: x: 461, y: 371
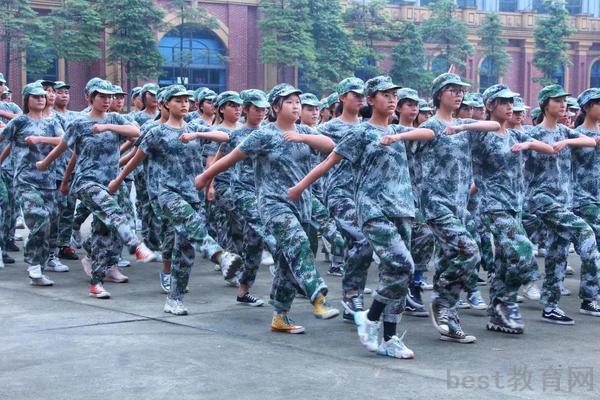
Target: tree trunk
x: 7, y: 60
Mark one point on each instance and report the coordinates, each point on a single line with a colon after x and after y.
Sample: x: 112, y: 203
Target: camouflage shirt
x: 338, y: 182
x: 381, y: 180
x: 168, y: 162
x: 242, y: 178
x: 548, y: 177
x: 279, y: 165
x: 223, y: 180
x: 586, y: 172
x: 11, y: 108
x: 141, y: 117
x: 25, y: 156
x: 443, y: 170
x: 497, y: 170
x: 97, y: 153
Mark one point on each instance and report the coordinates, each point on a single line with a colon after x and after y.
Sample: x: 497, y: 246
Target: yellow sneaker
x: 322, y: 309
x: 281, y: 323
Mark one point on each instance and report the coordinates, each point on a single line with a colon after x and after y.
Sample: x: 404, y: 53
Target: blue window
x: 51, y: 74
x: 595, y: 75
x: 488, y: 74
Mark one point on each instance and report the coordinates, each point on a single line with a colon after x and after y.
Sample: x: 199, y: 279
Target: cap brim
x: 310, y: 103
x: 290, y: 92
x: 260, y: 103
x: 562, y: 94
x: 37, y: 92
x: 62, y: 87
x: 177, y: 94
x: 103, y: 91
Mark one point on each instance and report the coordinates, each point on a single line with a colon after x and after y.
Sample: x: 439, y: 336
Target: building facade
x: 228, y: 56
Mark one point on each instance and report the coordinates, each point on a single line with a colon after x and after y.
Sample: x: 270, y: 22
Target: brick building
x: 227, y: 57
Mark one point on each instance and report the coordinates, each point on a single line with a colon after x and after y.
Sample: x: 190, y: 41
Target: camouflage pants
x: 189, y: 227
x: 167, y: 233
x: 63, y: 226
x: 483, y: 238
x: 104, y: 248
x: 536, y: 230
x: 39, y: 210
x: 296, y: 264
x: 255, y: 237
x: 328, y: 229
x: 12, y: 209
x: 456, y: 259
x: 565, y: 227
x: 81, y: 214
x: 150, y: 223
x: 358, y: 253
x: 391, y: 240
x: 514, y: 264
x: 422, y: 245
x: 3, y: 205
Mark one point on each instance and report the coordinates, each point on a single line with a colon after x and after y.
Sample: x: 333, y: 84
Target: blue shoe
x: 165, y: 282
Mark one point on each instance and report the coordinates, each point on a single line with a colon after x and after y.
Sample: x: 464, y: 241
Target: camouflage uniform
x: 178, y: 199
x: 97, y: 164
x: 498, y: 176
x: 278, y: 165
x: 12, y: 209
x: 385, y: 208
x: 444, y: 174
x: 548, y: 179
x: 35, y: 189
x: 339, y: 198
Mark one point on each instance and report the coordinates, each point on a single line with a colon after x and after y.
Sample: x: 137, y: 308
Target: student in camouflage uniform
x: 321, y: 219
x: 548, y: 181
x: 168, y: 157
x: 94, y: 139
x: 339, y: 198
x: 385, y: 209
x: 498, y: 175
x: 444, y: 174
x: 282, y: 154
x: 32, y: 137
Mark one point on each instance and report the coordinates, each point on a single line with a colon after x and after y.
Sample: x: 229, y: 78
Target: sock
x: 389, y: 330
x: 375, y: 310
x: 418, y: 276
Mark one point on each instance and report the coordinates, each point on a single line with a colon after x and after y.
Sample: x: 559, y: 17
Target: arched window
x: 193, y: 57
x: 595, y: 75
x: 41, y: 65
x: 439, y: 65
x: 559, y: 75
x: 488, y: 74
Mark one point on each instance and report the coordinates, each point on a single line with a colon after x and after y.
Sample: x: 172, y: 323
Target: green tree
x: 286, y: 38
x: 551, y: 48
x: 21, y: 29
x: 409, y: 60
x: 190, y: 17
x: 336, y: 55
x: 131, y: 40
x: 448, y: 34
x: 76, y: 32
x: 492, y: 44
x: 369, y: 22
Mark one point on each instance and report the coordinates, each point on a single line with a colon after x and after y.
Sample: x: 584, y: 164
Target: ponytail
x: 580, y: 118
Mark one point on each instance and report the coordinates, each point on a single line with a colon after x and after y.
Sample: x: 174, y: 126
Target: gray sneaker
x: 42, y: 281
x: 229, y: 263
x: 506, y: 318
x: 175, y: 307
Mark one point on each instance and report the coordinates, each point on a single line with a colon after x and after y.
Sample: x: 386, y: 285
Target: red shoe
x: 144, y: 254
x: 67, y: 253
x: 98, y: 291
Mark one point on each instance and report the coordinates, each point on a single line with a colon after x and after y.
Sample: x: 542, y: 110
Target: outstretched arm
x: 481, y: 126
x: 535, y: 145
x: 320, y: 143
x: 128, y: 131
x: 581, y: 141
x: 53, y: 155
x: 212, y: 136
x: 419, y: 134
x: 295, y: 192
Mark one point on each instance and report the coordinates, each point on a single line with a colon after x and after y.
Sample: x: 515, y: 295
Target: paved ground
x: 57, y: 343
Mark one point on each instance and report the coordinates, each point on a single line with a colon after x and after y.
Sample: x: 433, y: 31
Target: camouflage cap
x: 119, y: 90
x: 206, y: 94
x: 160, y: 95
x: 536, y: 112
x: 90, y: 83
x: 2, y: 80
x: 551, y: 92
x: 256, y: 97
x: 477, y: 100
x: 136, y: 91
x: 408, y: 93
x: 61, y: 85
x: 173, y: 91
x: 351, y: 84
x: 102, y: 86
x: 519, y: 104
x: 424, y: 106
x: 498, y: 91
x: 572, y: 103
x: 588, y: 95
x: 282, y: 90
x: 468, y: 100
x: 33, y: 89
x: 309, y: 99
x: 332, y: 99
x: 380, y: 83
x: 228, y: 96
x: 191, y: 95
x: 149, y: 87
x: 444, y: 80
x: 197, y: 91
x: 45, y: 83
x: 7, y: 89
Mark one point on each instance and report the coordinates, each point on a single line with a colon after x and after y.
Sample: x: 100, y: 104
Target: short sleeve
x: 8, y: 133
x: 522, y: 137
x: 256, y: 143
x: 59, y: 127
x: 148, y: 141
x: 571, y: 133
x: 70, y: 137
x: 351, y: 146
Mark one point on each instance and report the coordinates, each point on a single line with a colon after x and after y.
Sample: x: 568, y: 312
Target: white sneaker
x: 20, y: 222
x: 158, y: 257
x: 532, y: 292
x: 569, y: 270
x: 376, y: 259
x: 123, y: 263
x: 233, y: 282
x: 143, y: 253
x: 114, y: 275
x: 230, y: 263
x: 86, y: 262
x: 476, y: 301
x: 267, y: 259
x: 18, y: 237
x: 175, y: 307
x: 35, y: 271
x: 54, y: 265
x: 42, y: 281
x: 368, y: 331
x: 396, y: 348
x: 563, y: 289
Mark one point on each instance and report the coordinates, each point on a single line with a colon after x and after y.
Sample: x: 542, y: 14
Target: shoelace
x: 357, y: 303
x: 250, y: 297
x: 443, y: 314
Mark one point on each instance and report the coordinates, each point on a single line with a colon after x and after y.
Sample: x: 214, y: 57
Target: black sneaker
x: 249, y: 300
x: 506, y: 318
x: 351, y: 305
x: 414, y: 303
x: 7, y: 259
x: 588, y: 308
x: 11, y: 246
x: 556, y: 316
x: 415, y: 292
x: 336, y: 270
x: 413, y: 311
x: 455, y: 332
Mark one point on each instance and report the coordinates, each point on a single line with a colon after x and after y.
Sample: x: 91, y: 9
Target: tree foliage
x: 492, y: 44
x: 409, y: 60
